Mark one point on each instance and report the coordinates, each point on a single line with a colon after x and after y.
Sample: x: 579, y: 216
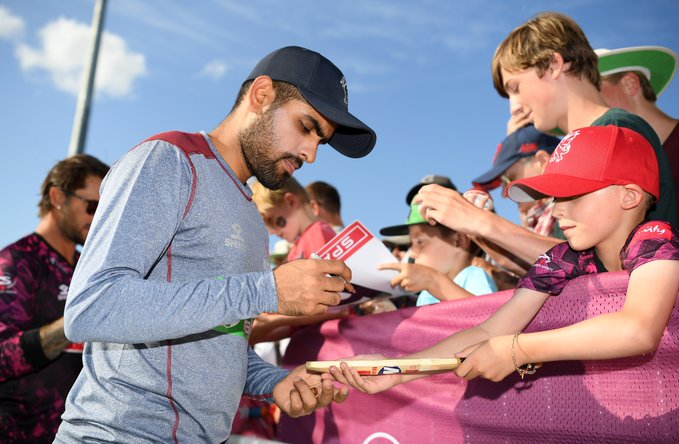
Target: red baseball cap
x: 589, y: 159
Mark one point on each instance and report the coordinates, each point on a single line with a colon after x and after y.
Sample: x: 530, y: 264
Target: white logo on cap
x: 343, y: 82
x: 564, y: 147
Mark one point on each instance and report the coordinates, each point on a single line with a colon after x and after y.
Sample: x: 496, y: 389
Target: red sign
x: 346, y: 243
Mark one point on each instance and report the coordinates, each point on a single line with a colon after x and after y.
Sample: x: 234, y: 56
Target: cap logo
x: 497, y: 153
x: 528, y: 147
x: 564, y: 147
x: 343, y: 83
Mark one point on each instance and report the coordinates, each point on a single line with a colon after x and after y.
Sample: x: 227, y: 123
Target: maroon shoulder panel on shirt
x: 190, y: 143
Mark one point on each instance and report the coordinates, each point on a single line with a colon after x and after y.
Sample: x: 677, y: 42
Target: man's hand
x: 300, y: 393
x: 52, y: 339
x: 310, y: 286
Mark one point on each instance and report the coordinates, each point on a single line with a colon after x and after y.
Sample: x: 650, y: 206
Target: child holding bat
x: 604, y: 180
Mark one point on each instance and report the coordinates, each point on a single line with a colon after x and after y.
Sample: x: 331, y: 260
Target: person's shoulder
x: 474, y: 271
x: 27, y: 254
x: 650, y: 241
x: 27, y: 244
x: 653, y: 229
x: 625, y: 119
x: 323, y: 227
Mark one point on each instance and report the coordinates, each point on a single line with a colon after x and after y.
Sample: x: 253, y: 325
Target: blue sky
x: 418, y: 73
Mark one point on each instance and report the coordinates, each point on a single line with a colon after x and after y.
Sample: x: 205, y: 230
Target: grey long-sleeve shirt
x: 176, y: 248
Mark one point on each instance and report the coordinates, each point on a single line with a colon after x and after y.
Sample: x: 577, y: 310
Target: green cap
x: 657, y: 63
x: 414, y: 218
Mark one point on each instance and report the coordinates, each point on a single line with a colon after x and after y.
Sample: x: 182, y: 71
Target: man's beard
x: 256, y: 142
x: 68, y: 228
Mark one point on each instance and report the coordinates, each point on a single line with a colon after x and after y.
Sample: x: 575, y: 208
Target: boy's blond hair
x: 266, y: 199
x: 532, y: 45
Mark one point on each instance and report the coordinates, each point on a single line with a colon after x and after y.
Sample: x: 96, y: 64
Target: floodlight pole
x: 82, y: 112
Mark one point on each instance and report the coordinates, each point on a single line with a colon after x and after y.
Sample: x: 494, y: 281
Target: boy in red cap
x: 604, y: 180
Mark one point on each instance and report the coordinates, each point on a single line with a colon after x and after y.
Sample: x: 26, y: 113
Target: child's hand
x: 491, y: 359
x: 369, y: 384
x: 411, y: 277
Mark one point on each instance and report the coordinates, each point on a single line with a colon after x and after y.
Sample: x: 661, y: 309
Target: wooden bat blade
x: 389, y: 366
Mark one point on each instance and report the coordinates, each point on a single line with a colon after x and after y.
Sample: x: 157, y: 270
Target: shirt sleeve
x: 143, y: 200
x: 552, y: 270
x: 20, y: 349
x: 262, y: 377
x: 650, y: 242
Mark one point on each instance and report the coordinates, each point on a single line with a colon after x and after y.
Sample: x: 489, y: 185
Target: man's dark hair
x: 326, y: 195
x: 69, y: 175
x: 284, y: 92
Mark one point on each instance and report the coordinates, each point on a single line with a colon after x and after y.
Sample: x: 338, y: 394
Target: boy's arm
x: 448, y: 207
x: 634, y: 330
x: 512, y: 317
x: 502, y: 257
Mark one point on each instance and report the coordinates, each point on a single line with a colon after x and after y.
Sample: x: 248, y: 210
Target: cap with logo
x: 323, y: 85
x: 427, y: 180
x: 592, y: 158
x: 523, y: 142
x: 657, y: 63
x: 414, y: 218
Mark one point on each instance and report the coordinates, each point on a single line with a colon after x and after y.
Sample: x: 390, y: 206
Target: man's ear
x: 631, y: 84
x: 57, y: 197
x: 632, y: 196
x: 261, y: 94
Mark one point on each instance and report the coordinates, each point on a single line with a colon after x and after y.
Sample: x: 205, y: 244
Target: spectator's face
x: 279, y: 222
x: 528, y: 91
x: 73, y: 219
x: 615, y: 96
x: 282, y: 139
x: 430, y: 248
x: 521, y: 169
x: 590, y: 219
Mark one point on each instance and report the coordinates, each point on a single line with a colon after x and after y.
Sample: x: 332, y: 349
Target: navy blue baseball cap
x: 444, y: 181
x: 323, y: 85
x: 524, y: 142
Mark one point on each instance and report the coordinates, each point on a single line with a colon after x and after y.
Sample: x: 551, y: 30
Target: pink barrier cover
x: 621, y: 400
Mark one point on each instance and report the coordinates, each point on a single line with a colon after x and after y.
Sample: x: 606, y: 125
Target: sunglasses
x: 91, y: 204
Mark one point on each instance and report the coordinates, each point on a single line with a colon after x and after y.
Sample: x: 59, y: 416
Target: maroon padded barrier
x: 621, y: 400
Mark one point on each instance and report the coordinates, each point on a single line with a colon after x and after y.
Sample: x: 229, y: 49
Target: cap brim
x: 489, y: 186
x: 657, y: 62
x: 400, y: 240
x: 551, y: 185
x: 495, y: 172
x: 396, y: 230
x: 352, y: 137
x: 416, y: 189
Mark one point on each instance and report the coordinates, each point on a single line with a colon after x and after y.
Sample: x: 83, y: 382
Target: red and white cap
x: 589, y: 159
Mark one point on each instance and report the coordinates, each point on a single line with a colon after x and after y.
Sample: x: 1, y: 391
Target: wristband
x: 527, y: 369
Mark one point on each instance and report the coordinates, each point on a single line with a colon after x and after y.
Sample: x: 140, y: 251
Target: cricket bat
x: 389, y: 366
